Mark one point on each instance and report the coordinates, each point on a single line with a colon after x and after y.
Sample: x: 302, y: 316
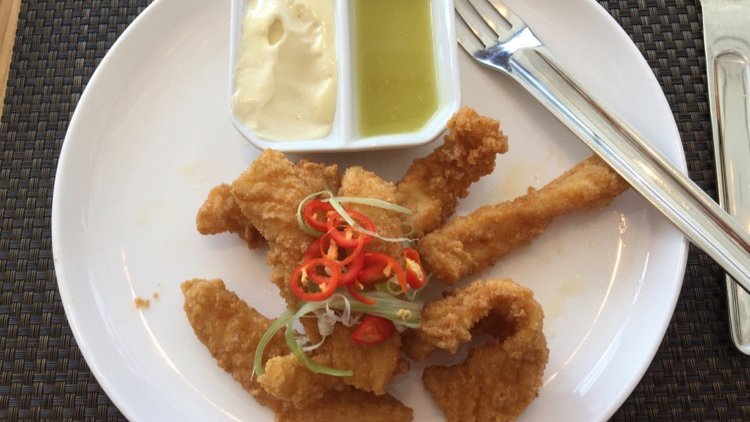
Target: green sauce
x: 395, y: 65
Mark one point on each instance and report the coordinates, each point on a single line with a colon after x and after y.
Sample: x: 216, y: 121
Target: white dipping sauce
x: 285, y: 75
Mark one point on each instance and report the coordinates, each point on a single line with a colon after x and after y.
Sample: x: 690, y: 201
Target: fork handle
x: 650, y: 173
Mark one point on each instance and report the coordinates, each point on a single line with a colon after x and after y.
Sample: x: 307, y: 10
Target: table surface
x: 696, y: 374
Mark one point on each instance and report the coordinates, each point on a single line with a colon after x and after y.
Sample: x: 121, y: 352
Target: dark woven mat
x: 696, y: 374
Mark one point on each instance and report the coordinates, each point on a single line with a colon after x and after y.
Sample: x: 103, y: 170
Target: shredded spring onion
x: 349, y: 220
x: 266, y: 338
x: 371, y: 202
x: 407, y: 228
x: 336, y: 202
x: 393, y: 287
x: 387, y: 306
x: 310, y: 364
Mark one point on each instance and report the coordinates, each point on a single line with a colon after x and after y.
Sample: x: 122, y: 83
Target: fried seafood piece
x: 500, y: 308
x: 469, y: 244
x: 360, y: 183
x: 373, y: 365
x: 268, y: 194
x: 286, y: 379
x: 373, y: 368
x: 493, y: 384
x: 499, y: 379
x: 220, y: 214
x: 347, y: 406
x: 231, y: 329
x: 432, y: 185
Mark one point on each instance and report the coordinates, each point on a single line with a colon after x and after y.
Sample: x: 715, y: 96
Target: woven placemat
x: 696, y: 374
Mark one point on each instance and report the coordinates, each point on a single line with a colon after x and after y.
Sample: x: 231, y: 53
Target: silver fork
x: 499, y: 39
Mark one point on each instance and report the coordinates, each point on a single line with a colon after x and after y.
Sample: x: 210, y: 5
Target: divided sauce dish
x: 345, y: 131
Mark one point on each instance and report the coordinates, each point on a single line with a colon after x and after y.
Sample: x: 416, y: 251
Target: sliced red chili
x: 372, y: 330
x: 390, y: 267
x: 354, y: 290
x: 331, y: 250
x: 313, y: 251
x: 304, y: 286
x: 313, y: 210
x: 351, y: 270
x: 344, y: 234
x: 415, y: 274
x: 412, y: 254
x: 372, y: 271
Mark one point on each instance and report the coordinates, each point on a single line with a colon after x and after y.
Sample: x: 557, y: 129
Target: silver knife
x: 726, y: 31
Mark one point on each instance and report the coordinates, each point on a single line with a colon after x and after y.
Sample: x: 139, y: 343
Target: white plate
x: 151, y: 135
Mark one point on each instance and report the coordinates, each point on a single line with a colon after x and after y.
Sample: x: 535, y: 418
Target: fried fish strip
x: 347, y: 406
x: 220, y: 213
x: 498, y: 380
x: 231, y: 329
x: 268, y: 194
x: 360, y: 183
x: 493, y: 384
x: 499, y: 307
x: 432, y: 185
x: 471, y: 243
x: 286, y: 379
x: 373, y: 366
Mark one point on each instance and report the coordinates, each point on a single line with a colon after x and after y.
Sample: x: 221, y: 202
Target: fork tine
x: 491, y: 16
x: 475, y: 23
x: 467, y: 39
x: 514, y: 21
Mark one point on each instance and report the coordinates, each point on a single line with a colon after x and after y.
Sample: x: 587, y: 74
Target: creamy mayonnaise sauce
x: 285, y: 75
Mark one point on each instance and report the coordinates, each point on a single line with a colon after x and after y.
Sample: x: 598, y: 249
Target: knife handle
x: 731, y: 117
x: 727, y: 46
x: 729, y: 93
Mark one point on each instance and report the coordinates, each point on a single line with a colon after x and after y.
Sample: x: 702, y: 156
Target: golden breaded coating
x: 360, y: 183
x: 220, y: 214
x: 373, y: 365
x: 230, y: 329
x: 286, y: 379
x: 349, y: 406
x: 373, y: 368
x: 268, y: 194
x: 502, y: 305
x: 491, y: 385
x: 498, y: 380
x: 471, y: 243
x: 433, y: 184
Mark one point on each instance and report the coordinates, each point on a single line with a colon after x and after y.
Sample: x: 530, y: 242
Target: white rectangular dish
x: 344, y: 134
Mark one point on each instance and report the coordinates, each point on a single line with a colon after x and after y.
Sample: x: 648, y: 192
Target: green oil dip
x: 394, y: 65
